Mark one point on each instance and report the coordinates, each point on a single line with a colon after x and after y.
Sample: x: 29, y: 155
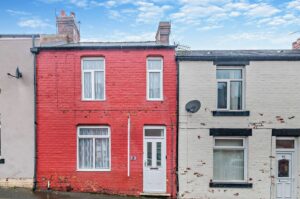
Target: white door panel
x: 284, y: 181
x: 154, y: 163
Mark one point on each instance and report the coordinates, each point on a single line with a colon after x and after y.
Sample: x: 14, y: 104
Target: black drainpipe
x: 34, y: 51
x: 177, y: 123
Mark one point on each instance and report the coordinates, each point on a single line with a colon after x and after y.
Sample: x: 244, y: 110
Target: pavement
x: 21, y: 193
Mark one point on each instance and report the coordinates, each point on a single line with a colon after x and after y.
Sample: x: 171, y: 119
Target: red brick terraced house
x: 106, y: 116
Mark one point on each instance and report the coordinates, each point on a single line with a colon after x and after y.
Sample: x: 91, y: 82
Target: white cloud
x: 262, y: 10
x: 118, y: 36
x: 150, y: 12
x: 211, y: 27
x: 295, y: 4
x: 33, y: 23
x: 80, y: 3
x: 17, y: 12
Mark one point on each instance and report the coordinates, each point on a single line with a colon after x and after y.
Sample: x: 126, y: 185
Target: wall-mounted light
x: 18, y: 74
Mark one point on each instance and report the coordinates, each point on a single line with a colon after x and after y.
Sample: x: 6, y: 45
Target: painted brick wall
x: 60, y: 110
x: 272, y: 97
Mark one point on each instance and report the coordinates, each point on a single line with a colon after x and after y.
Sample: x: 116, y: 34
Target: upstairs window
x: 154, y: 78
x: 93, y: 79
x: 230, y: 88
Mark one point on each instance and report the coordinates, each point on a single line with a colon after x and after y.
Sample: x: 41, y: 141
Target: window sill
x: 2, y: 160
x: 230, y: 185
x: 230, y: 113
x: 93, y: 170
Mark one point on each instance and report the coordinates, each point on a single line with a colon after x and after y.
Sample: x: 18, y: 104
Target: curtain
x: 228, y: 164
x: 85, y: 153
x: 154, y: 85
x: 99, y: 85
x: 102, y: 153
x: 87, y: 85
x: 235, y: 95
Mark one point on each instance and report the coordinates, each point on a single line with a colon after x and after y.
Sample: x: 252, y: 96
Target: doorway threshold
x: 155, y: 194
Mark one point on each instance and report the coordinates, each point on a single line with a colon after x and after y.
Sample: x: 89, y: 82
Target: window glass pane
x: 87, y: 85
x: 283, y: 168
x: 154, y: 64
x: 149, y: 154
x: 285, y: 144
x: 85, y: 153
x: 99, y: 85
x: 235, y: 95
x: 154, y: 85
x: 228, y: 142
x: 154, y: 132
x: 102, y: 153
x: 229, y: 74
x: 222, y: 95
x: 93, y: 131
x: 93, y: 65
x: 228, y: 165
x: 158, y: 154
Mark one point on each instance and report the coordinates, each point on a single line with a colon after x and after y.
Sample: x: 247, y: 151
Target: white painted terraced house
x: 243, y: 142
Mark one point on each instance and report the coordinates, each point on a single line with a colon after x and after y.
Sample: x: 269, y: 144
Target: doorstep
x: 155, y: 194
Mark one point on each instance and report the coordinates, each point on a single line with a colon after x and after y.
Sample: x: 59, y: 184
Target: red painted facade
x: 60, y: 110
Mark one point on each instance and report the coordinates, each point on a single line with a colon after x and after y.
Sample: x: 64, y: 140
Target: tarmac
x: 22, y: 193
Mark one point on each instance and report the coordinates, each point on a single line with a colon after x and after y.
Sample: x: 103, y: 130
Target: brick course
x: 60, y: 110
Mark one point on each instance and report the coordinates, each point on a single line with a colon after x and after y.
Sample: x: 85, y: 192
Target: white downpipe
x: 128, y: 147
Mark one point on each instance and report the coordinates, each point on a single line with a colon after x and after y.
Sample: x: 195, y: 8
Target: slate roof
x: 247, y: 55
x: 107, y: 45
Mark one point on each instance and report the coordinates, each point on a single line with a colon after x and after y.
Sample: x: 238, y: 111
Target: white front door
x: 285, y: 179
x: 154, y: 171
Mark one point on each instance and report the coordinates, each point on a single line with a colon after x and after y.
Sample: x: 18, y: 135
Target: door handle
x: 154, y: 168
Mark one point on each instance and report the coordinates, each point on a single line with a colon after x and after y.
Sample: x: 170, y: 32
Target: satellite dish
x: 193, y: 106
x: 18, y: 73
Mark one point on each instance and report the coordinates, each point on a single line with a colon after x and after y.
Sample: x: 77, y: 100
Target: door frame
x: 164, y: 142
x: 294, y: 154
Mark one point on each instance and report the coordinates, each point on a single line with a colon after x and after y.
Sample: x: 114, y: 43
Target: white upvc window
x: 230, y: 159
x: 93, y: 148
x: 230, y: 88
x: 155, y: 78
x: 93, y: 78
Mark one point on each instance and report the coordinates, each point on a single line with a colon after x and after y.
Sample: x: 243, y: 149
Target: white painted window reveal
x: 93, y: 79
x: 154, y: 78
x: 229, y: 159
x: 93, y: 148
x: 230, y: 88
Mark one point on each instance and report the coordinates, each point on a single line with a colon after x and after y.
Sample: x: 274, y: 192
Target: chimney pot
x: 296, y: 44
x: 163, y: 33
x: 62, y: 13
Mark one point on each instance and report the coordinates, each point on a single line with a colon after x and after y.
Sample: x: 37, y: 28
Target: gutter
x: 118, y: 47
x: 34, y: 52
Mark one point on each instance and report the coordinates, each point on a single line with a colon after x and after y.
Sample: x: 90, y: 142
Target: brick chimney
x: 163, y: 33
x: 66, y: 25
x: 296, y: 44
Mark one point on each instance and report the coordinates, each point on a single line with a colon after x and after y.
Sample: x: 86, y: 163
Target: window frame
x: 94, y: 137
x: 244, y: 148
x: 161, y: 78
x: 93, y: 78
x: 228, y: 82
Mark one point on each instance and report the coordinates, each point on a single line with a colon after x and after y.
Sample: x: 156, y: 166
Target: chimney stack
x: 163, y: 33
x: 66, y: 25
x: 296, y: 44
